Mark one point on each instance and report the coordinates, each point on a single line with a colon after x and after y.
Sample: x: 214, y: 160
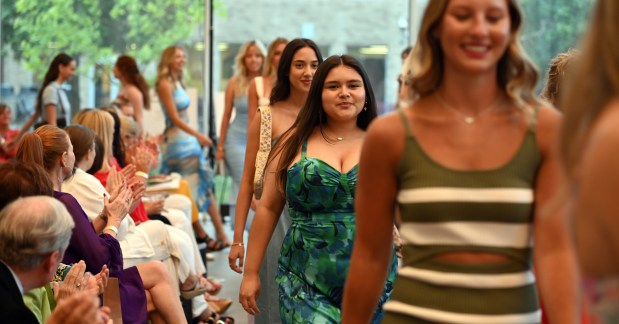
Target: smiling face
x: 302, y: 69
x: 177, y: 64
x: 474, y: 34
x: 343, y: 94
x: 253, y: 59
x: 67, y: 71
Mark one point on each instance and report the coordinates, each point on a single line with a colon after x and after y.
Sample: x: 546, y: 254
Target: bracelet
x: 235, y: 244
x: 111, y: 228
x: 141, y: 174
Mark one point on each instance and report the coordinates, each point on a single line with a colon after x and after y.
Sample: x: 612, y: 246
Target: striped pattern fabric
x: 445, y: 211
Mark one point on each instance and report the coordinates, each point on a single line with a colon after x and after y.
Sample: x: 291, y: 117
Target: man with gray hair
x: 34, y: 234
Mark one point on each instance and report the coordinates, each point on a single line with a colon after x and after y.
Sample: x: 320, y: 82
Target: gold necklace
x: 469, y: 120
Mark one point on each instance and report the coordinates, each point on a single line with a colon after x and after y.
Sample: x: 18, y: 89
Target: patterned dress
x: 182, y: 152
x: 315, y: 255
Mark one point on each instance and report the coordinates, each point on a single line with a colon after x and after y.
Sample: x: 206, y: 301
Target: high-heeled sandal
x: 218, y: 305
x: 197, y: 290
x: 212, y: 245
x: 213, y: 286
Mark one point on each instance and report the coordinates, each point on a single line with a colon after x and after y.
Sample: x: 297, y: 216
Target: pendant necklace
x: 469, y: 120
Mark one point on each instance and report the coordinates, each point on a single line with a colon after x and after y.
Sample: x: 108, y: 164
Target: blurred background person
x: 589, y: 142
x: 233, y: 134
x: 133, y: 96
x: 9, y: 137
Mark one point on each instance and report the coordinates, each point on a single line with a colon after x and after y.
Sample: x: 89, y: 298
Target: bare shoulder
x: 231, y: 86
x: 604, y: 134
x: 132, y: 90
x: 164, y: 85
x: 387, y: 127
x: 386, y: 134
x: 547, y: 127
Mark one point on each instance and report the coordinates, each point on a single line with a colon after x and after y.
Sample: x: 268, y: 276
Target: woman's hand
x: 115, y: 181
x: 141, y: 156
x: 154, y: 206
x: 98, y: 282
x: 249, y: 292
x: 74, y: 282
x: 117, y: 209
x: 138, y: 187
x: 236, y: 255
x: 204, y: 140
x: 220, y: 155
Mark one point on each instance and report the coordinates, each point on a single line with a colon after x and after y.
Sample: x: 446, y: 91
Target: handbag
x: 61, y: 122
x: 266, y: 129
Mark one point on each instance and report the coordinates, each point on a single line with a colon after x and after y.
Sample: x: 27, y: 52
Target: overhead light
x: 199, y: 46
x: 374, y: 50
x: 133, y: 46
x: 222, y: 47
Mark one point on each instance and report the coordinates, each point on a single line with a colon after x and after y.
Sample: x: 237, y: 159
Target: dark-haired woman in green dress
x: 314, y: 168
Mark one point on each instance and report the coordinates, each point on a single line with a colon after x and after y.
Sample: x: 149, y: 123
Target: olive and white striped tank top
x: 445, y: 210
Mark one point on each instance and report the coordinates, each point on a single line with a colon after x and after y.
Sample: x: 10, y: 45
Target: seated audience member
x: 8, y: 136
x: 34, y: 234
x: 51, y: 148
x: 131, y: 132
x: 189, y: 270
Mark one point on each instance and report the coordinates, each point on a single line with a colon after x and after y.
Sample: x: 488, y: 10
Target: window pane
x: 95, y: 33
x: 375, y: 32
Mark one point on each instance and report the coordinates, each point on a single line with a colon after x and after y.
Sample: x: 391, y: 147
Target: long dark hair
x: 313, y: 115
x: 127, y: 66
x: 281, y: 91
x: 52, y: 74
x: 97, y: 164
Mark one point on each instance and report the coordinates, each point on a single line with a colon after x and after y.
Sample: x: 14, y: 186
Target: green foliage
x: 97, y: 30
x: 553, y: 27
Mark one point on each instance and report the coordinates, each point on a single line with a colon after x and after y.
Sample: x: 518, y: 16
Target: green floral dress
x: 316, y: 251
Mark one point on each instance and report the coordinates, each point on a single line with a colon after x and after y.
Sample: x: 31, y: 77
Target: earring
x: 365, y: 106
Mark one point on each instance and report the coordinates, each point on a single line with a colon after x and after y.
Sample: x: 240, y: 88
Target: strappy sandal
x: 197, y: 290
x: 213, y: 286
x: 213, y: 245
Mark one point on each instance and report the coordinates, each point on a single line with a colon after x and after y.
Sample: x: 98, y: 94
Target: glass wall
x: 95, y: 33
x: 374, y: 31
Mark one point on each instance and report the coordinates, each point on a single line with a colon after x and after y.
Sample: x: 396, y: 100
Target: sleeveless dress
x: 268, y: 301
x: 445, y: 210
x: 315, y: 255
x: 236, y: 142
x: 182, y: 152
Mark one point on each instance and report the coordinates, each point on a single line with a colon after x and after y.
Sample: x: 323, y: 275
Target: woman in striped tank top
x: 472, y: 168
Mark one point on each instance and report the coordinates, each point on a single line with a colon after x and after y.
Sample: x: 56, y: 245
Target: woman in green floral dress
x: 314, y: 168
